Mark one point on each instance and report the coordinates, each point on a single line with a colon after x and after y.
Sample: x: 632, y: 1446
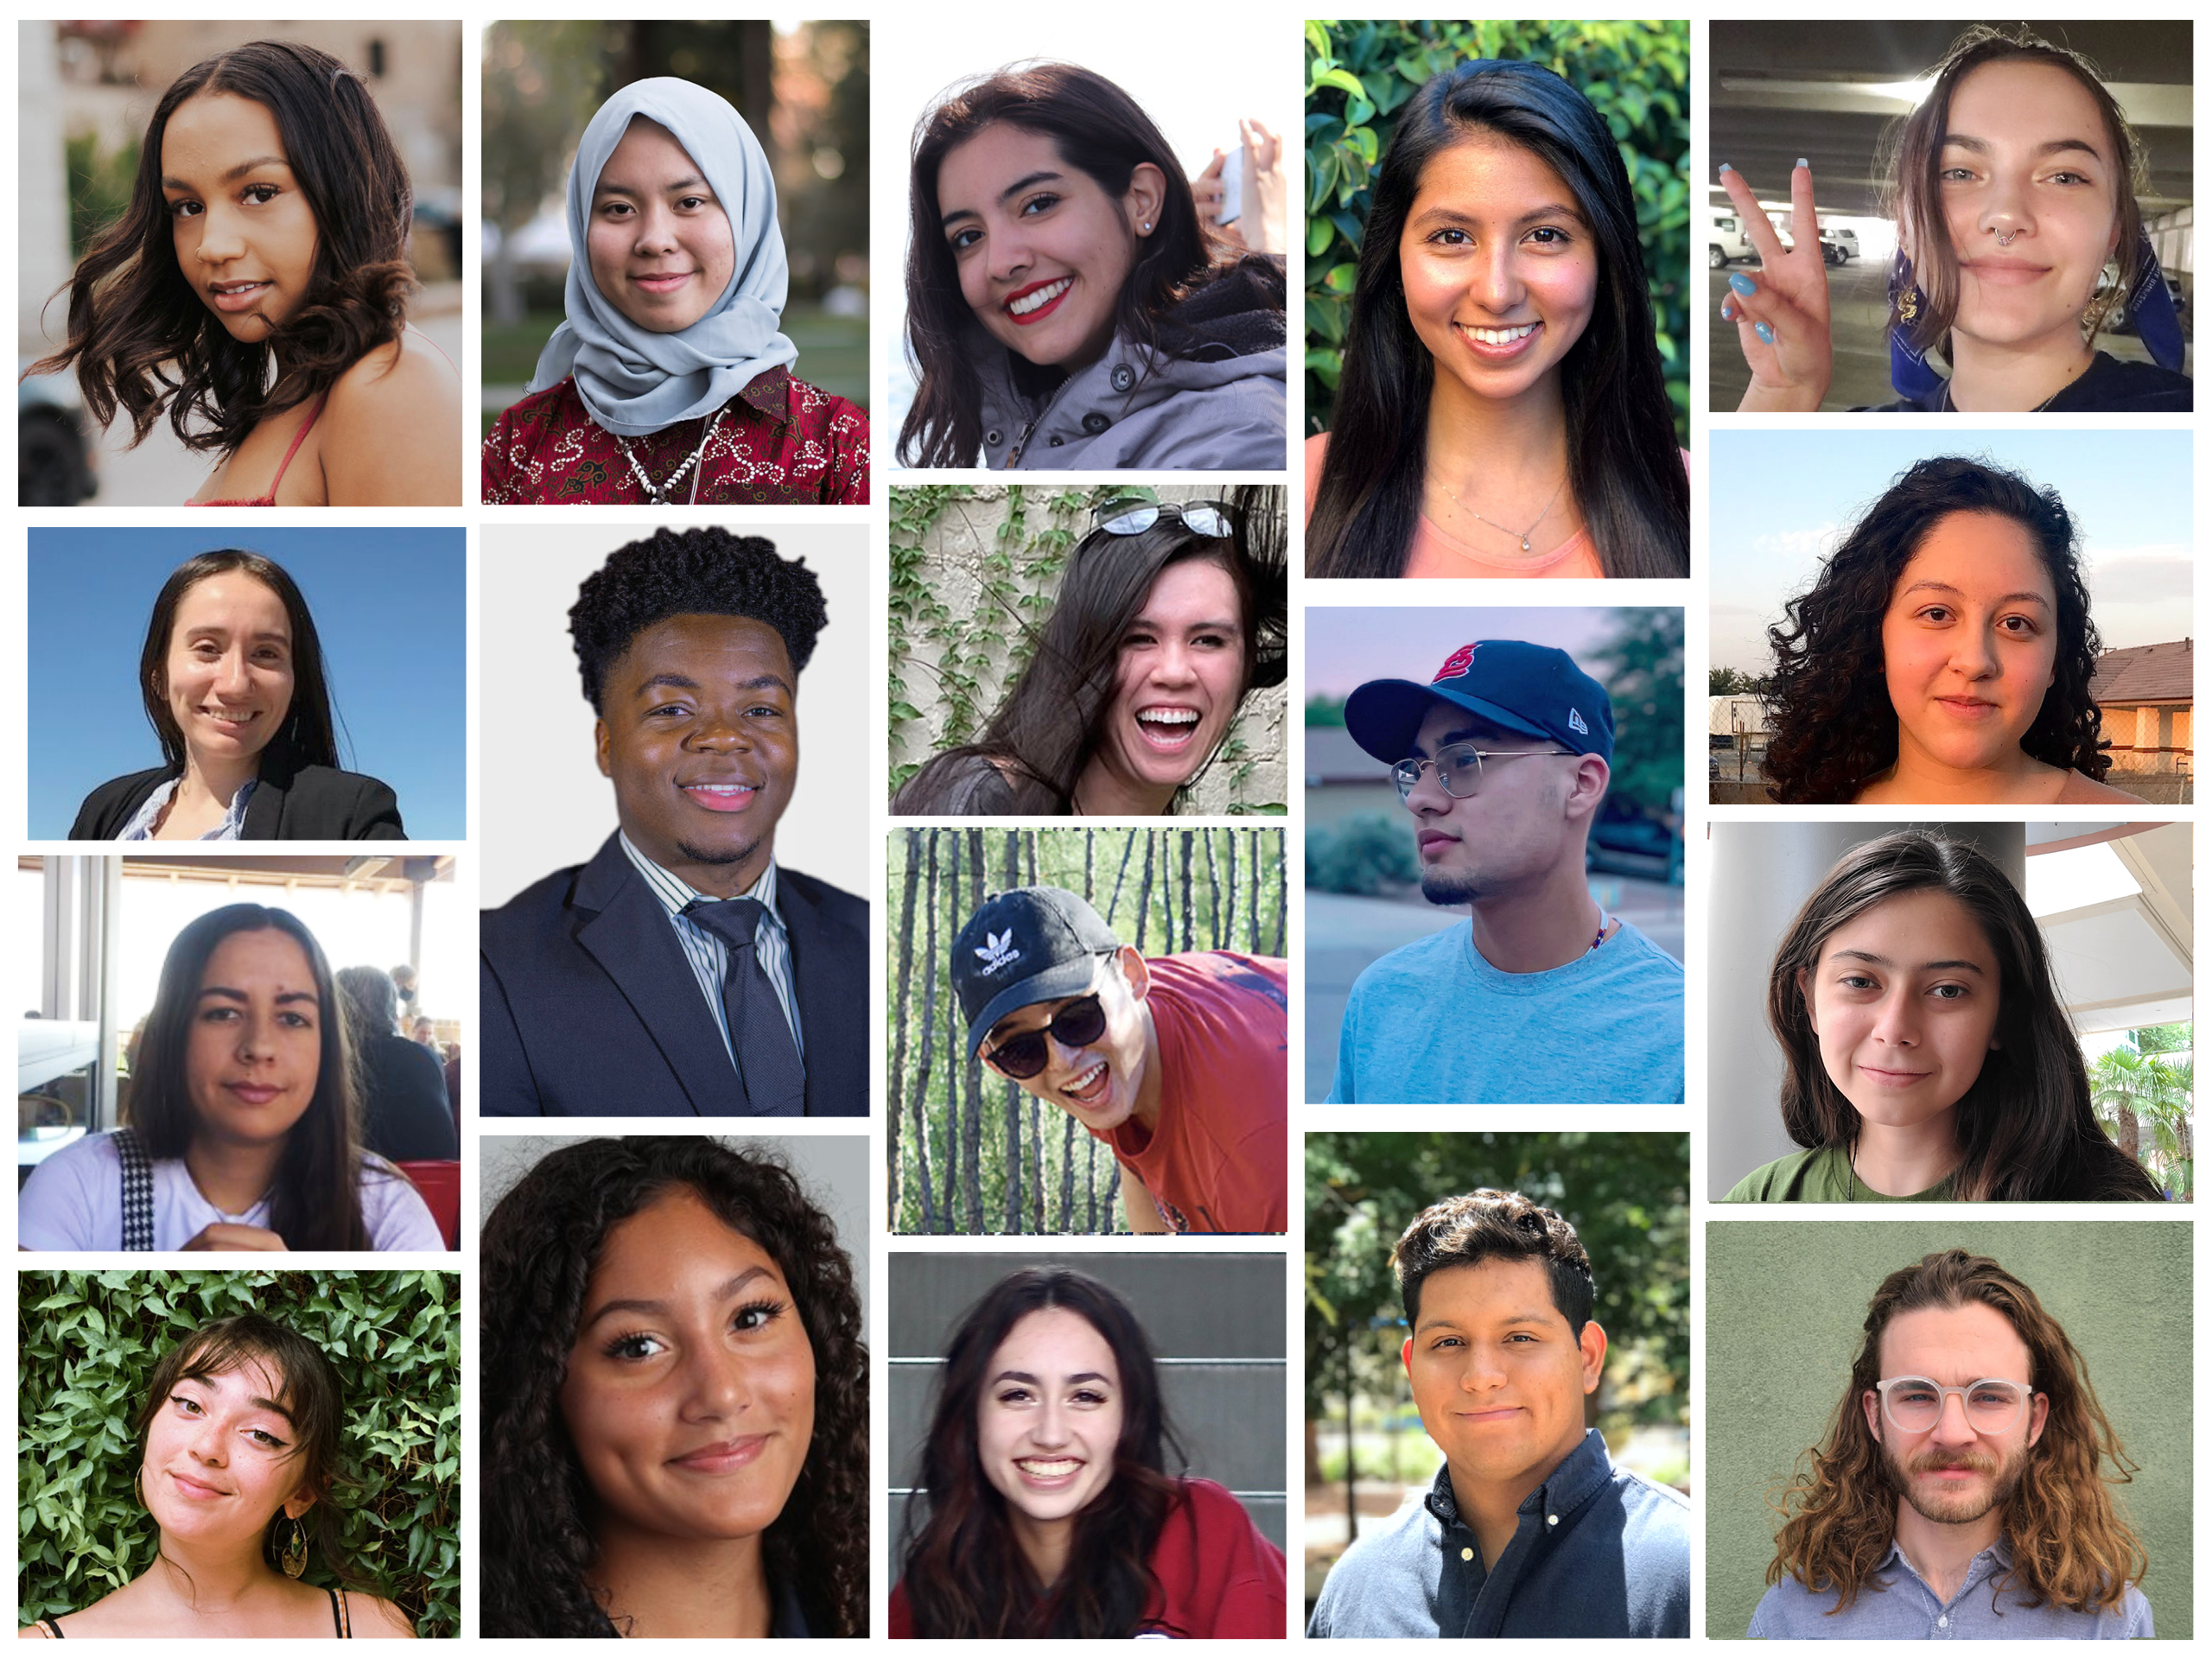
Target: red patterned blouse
x: 780, y: 440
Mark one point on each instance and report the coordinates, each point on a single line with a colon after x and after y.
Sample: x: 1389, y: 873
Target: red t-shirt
x: 1219, y: 1159
x: 1217, y: 1576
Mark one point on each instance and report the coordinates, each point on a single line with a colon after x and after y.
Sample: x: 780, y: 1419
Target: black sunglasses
x: 1082, y: 1021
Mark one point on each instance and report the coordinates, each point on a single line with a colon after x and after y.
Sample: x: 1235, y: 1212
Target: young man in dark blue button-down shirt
x: 1529, y: 1529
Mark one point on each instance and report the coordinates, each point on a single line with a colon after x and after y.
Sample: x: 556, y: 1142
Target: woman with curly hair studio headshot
x: 675, y: 1392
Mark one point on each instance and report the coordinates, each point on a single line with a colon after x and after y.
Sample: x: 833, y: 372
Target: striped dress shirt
x: 709, y: 956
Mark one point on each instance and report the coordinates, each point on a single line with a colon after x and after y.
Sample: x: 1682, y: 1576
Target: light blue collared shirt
x: 141, y: 826
x: 709, y: 956
x: 1897, y: 1605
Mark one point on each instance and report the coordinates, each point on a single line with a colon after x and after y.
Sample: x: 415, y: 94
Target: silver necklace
x: 658, y: 496
x: 1522, y: 535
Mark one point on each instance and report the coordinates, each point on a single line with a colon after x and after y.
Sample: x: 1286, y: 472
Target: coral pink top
x: 277, y: 483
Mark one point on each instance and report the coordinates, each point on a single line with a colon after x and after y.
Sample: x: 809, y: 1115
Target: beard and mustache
x: 1966, y: 1504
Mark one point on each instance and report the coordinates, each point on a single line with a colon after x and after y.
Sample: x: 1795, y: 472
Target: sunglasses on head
x: 1081, y: 1022
x: 1133, y: 517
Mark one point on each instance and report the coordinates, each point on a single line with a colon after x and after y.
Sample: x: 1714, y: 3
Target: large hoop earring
x: 2104, y: 299
x: 292, y: 1552
x: 138, y: 1485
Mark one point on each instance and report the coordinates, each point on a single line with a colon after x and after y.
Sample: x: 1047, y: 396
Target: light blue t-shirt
x: 1433, y: 1023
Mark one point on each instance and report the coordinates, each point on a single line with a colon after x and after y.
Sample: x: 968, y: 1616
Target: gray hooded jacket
x: 1215, y: 405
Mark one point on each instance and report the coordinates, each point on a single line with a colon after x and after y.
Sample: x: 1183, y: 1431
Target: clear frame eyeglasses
x: 1915, y: 1404
x: 1458, y: 768
x: 1133, y: 516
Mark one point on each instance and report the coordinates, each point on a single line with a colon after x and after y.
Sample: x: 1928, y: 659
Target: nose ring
x: 2004, y: 239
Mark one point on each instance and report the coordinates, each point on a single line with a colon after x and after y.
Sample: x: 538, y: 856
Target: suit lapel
x: 630, y: 937
x: 265, y: 809
x: 832, y: 1004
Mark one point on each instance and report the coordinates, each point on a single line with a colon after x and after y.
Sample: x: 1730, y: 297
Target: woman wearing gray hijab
x: 669, y: 382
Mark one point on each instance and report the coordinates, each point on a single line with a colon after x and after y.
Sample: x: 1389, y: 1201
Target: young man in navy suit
x: 682, y: 971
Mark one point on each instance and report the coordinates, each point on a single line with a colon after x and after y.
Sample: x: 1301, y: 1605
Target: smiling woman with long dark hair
x: 1067, y: 305
x: 1502, y: 410
x: 269, y: 220
x: 244, y: 1127
x: 1050, y: 1510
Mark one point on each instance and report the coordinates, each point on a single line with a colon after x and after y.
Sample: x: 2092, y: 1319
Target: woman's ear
x: 1147, y: 189
x: 1805, y: 995
x: 299, y: 1503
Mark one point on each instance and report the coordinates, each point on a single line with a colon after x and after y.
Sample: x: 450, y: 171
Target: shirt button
x: 994, y: 437
x: 1095, y: 423
x: 1942, y: 1621
x: 1551, y: 1520
x: 1124, y: 377
x: 1057, y: 440
x: 1466, y: 1554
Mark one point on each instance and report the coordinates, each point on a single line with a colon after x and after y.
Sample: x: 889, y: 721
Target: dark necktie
x: 767, y: 1060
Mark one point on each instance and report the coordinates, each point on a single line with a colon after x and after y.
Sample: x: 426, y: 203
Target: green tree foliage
x: 1729, y: 682
x: 1324, y: 711
x: 99, y: 186
x: 87, y: 1346
x: 2145, y: 1093
x: 1642, y: 668
x: 967, y: 1151
x: 1627, y: 1196
x: 1360, y: 73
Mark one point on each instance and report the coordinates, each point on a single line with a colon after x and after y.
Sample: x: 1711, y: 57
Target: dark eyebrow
x: 238, y: 172
x: 1524, y: 1318
x: 647, y: 1305
x: 1045, y: 176
x: 1883, y: 961
x: 1445, y: 214
x: 1946, y: 588
x: 282, y: 997
x: 1073, y: 1377
x: 606, y: 189
x: 208, y: 1378
x: 2052, y: 147
x: 1459, y: 735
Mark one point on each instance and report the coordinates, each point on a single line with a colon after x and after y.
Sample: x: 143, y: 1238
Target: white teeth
x: 1048, y: 1468
x: 1498, y: 336
x: 1045, y: 295
x: 1170, y: 716
x: 720, y: 789
x: 1077, y: 1085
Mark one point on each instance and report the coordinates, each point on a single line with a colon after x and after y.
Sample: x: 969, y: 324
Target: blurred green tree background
x: 1359, y: 73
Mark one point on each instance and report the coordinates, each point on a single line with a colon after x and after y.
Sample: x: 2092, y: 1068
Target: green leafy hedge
x: 88, y: 1344
x: 1359, y: 74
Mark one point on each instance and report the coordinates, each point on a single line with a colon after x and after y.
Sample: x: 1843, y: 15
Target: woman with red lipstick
x: 2019, y: 240
x: 1943, y: 655
x: 244, y: 1127
x: 1503, y: 410
x: 1067, y: 305
x: 1928, y: 1057
x: 1049, y: 1510
x: 1170, y: 616
x: 232, y: 679
x: 254, y: 291
x: 676, y: 1390
x: 669, y: 381
x: 239, y: 1437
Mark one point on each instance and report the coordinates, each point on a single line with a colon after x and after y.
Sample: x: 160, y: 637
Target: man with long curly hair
x: 683, y: 972
x: 1961, y: 1491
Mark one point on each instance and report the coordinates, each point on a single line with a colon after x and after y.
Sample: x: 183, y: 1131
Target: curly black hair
x: 1834, y: 728
x: 540, y: 1247
x: 703, y: 571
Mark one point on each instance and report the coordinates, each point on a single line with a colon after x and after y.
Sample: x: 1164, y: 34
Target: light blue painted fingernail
x: 1764, y: 331
x: 1725, y: 168
x: 1742, y: 284
x: 1802, y: 162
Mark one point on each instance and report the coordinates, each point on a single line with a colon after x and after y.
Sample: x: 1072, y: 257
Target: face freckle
x: 1042, y: 252
x: 245, y: 241
x: 1499, y: 267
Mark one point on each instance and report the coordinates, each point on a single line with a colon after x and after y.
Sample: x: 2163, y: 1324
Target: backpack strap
x: 137, y: 1190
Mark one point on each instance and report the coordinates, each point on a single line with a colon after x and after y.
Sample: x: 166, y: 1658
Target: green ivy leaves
x: 1358, y: 75
x: 88, y: 1344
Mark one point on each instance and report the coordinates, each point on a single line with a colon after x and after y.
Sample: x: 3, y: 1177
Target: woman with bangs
x: 1170, y: 616
x: 1044, y: 1507
x: 1068, y: 306
x: 2019, y: 240
x: 1503, y: 410
x: 244, y: 1131
x: 238, y: 1441
x: 255, y: 292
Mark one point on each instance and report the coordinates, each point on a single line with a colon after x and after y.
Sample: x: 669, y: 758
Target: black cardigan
x: 289, y: 803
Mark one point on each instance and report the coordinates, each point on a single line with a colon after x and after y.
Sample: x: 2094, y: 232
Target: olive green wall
x: 1785, y: 1303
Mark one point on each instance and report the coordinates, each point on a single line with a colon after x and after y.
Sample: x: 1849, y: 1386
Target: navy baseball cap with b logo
x: 1536, y: 690
x: 1031, y: 944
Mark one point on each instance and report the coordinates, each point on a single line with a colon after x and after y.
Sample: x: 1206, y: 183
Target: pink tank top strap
x: 277, y: 482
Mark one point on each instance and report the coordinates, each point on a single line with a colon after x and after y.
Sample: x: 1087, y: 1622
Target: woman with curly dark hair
x: 674, y: 1438
x: 1928, y: 1056
x: 1170, y: 616
x: 1049, y: 1508
x: 270, y: 221
x: 1943, y: 655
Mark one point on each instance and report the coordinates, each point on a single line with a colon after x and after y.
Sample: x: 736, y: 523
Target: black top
x: 2108, y: 387
x: 405, y: 1116
x: 785, y: 1618
x: 287, y: 804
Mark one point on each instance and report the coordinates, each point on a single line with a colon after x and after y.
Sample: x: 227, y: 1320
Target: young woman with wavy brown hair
x: 255, y: 292
x: 2046, y: 1477
x: 1943, y: 654
x: 1044, y: 1506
